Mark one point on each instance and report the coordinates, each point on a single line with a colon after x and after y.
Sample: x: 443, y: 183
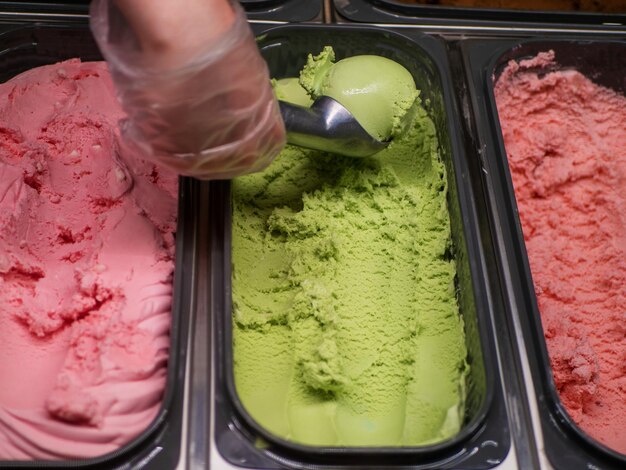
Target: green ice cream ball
x: 290, y: 90
x: 376, y: 90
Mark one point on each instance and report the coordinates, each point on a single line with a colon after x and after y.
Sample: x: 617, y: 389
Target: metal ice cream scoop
x: 328, y: 126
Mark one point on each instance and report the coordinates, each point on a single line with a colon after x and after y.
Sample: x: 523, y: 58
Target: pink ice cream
x: 566, y: 143
x: 86, y: 265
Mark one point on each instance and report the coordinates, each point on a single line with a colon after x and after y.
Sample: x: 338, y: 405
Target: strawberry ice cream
x: 565, y: 139
x: 86, y: 265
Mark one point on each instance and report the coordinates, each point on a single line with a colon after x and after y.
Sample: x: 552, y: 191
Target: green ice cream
x: 377, y: 91
x: 345, y: 321
x: 289, y: 89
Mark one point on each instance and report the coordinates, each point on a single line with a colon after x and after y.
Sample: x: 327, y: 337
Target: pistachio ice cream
x: 346, y: 326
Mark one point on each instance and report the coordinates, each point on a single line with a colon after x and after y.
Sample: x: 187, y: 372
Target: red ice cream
x: 565, y: 139
x: 86, y: 264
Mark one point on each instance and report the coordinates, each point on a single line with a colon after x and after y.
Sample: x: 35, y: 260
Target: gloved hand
x: 193, y: 84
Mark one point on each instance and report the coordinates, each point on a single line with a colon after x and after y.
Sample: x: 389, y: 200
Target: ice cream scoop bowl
x: 328, y: 126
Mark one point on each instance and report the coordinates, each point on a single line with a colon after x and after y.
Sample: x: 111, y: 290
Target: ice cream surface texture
x: 346, y: 326
x: 565, y: 138
x: 379, y: 92
x: 86, y: 264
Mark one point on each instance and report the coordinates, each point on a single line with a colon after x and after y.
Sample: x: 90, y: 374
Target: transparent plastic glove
x: 196, y: 90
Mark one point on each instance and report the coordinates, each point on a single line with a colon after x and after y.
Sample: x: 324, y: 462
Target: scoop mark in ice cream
x: 346, y: 326
x: 86, y: 264
x: 565, y: 139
